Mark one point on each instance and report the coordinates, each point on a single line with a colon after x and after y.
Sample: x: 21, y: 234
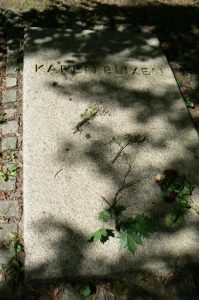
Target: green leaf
x: 14, y: 171
x: 168, y: 191
x: 18, y: 248
x: 189, y: 103
x: 85, y: 291
x: 101, y: 235
x: 144, y: 226
x: 123, y: 239
x: 125, y: 224
x: 135, y: 236
x: 4, y: 175
x: 131, y: 245
x: 106, y: 215
x: 181, y: 218
x: 171, y: 218
x: 132, y: 230
x: 183, y: 201
x: 14, y: 247
x: 178, y: 81
x: 187, y: 189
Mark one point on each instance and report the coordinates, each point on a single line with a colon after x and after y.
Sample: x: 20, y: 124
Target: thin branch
x: 119, y: 152
x: 127, y: 173
x: 58, y: 172
x: 125, y: 186
x: 105, y: 200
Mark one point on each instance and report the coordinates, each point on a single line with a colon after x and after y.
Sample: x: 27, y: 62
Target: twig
x: 119, y: 152
x: 125, y: 186
x: 58, y: 172
x: 105, y: 200
x: 130, y: 140
x: 127, y: 173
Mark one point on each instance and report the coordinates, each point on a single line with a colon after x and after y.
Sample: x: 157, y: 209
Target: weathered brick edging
x: 10, y: 159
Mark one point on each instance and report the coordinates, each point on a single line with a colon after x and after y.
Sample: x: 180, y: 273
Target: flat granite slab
x: 66, y: 173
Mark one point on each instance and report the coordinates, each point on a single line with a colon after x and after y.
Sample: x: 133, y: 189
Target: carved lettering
x: 134, y: 71
x: 145, y: 71
x: 38, y: 67
x: 51, y: 68
x: 107, y: 70
x: 94, y: 68
x: 120, y: 70
x: 64, y: 68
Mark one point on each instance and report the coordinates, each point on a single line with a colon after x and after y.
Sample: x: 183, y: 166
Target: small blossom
x: 159, y: 178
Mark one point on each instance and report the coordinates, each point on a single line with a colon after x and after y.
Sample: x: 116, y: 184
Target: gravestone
x: 69, y: 170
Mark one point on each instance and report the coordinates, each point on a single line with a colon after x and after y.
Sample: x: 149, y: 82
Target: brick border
x: 11, y: 201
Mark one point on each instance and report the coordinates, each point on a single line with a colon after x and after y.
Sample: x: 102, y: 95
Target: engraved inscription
x: 108, y: 69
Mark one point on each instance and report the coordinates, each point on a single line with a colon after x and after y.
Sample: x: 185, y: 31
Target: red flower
x: 170, y: 173
x: 171, y: 198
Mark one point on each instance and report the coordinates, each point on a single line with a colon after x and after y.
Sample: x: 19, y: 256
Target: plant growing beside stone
x: 8, y: 167
x: 15, y: 268
x: 87, y: 290
x: 189, y: 103
x: 6, y: 173
x: 130, y: 231
x: 16, y: 244
x: 178, y: 190
x: 91, y: 111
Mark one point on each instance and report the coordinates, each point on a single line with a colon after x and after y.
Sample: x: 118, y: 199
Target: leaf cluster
x: 101, y: 235
x: 180, y: 187
x: 9, y: 172
x: 129, y: 231
x: 133, y: 230
x: 109, y: 213
x: 189, y: 103
x: 176, y: 188
x: 16, y: 244
x: 14, y: 268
